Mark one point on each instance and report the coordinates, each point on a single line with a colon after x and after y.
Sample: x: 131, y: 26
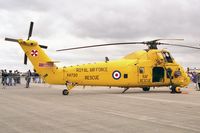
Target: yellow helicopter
x: 145, y: 68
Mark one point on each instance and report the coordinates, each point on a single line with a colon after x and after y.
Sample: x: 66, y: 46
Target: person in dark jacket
x: 10, y: 78
x: 28, y: 78
x: 5, y: 76
x: 2, y: 75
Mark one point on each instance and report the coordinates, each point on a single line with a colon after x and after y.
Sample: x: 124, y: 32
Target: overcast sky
x: 71, y: 23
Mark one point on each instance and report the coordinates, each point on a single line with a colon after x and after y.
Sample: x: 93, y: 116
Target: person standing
x: 15, y: 77
x: 5, y: 76
x: 198, y: 81
x: 2, y: 76
x: 18, y: 77
x: 28, y: 78
x: 10, y: 77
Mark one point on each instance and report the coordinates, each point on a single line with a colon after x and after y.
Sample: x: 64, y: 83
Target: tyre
x: 178, y: 90
x: 175, y: 89
x: 146, y: 88
x: 65, y: 92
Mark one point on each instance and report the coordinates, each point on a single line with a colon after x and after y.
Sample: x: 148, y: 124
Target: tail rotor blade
x: 30, y: 30
x: 25, y: 59
x: 43, y: 46
x: 11, y: 39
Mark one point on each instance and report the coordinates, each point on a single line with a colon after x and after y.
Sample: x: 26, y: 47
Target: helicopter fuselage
x: 146, y: 68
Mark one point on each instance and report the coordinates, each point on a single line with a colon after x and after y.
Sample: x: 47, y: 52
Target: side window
x: 169, y: 73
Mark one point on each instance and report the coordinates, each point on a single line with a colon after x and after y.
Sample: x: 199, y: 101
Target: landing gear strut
x: 69, y: 86
x: 125, y: 89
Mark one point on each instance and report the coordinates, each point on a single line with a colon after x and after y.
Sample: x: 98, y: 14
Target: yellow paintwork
x: 101, y: 73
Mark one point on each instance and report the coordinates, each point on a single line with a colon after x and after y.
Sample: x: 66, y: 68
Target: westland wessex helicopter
x: 145, y: 68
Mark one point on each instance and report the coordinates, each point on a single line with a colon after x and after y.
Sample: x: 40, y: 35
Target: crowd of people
x: 11, y: 78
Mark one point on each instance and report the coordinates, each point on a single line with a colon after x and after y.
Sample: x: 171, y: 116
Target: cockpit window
x: 167, y: 57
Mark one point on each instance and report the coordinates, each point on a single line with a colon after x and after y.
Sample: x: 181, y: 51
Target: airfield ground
x: 43, y: 109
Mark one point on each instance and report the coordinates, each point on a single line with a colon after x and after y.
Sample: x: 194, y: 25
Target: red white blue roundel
x: 34, y: 53
x: 116, y: 75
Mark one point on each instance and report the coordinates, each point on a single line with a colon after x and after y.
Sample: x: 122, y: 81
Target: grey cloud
x: 136, y: 19
x: 23, y: 5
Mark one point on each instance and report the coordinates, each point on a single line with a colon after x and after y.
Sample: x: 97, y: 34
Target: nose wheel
x: 65, y: 92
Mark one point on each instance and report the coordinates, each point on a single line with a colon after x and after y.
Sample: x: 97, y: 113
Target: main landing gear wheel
x: 146, y: 88
x: 175, y: 89
x: 65, y: 92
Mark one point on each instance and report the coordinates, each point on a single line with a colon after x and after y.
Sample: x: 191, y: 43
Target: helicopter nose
x: 186, y: 80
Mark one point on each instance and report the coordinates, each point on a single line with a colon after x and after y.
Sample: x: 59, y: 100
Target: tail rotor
x: 29, y: 36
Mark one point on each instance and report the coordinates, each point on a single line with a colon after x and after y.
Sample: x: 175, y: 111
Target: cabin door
x: 158, y: 74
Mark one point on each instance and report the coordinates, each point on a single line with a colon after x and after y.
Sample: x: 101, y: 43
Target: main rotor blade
x: 179, y: 45
x: 167, y: 40
x: 152, y: 44
x: 30, y: 30
x: 101, y: 45
x: 11, y: 39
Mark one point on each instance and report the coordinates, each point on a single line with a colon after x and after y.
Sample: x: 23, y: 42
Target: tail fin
x: 34, y: 52
x: 37, y: 56
x: 43, y: 65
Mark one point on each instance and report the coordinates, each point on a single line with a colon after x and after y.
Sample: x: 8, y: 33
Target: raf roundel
x: 34, y: 53
x: 116, y: 75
